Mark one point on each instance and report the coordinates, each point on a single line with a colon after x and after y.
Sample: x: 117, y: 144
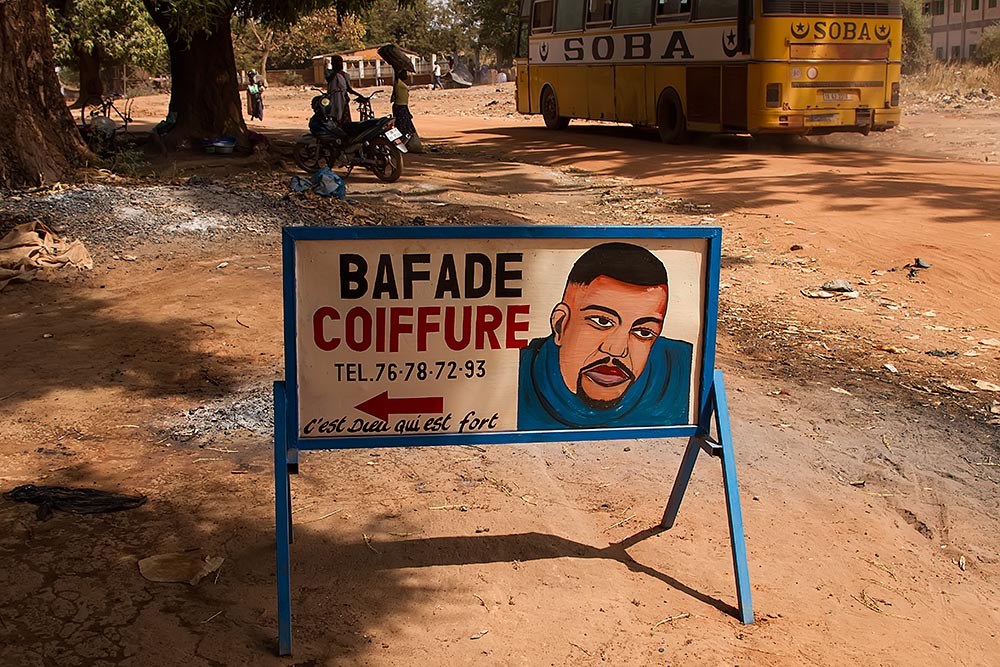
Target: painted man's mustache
x: 608, y: 361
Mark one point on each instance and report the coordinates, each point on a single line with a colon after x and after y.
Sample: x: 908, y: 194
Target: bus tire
x: 670, y: 120
x: 550, y: 111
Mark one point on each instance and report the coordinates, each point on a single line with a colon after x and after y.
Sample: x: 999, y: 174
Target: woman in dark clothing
x: 401, y: 104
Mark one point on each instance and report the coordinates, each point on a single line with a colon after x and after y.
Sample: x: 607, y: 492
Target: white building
x: 956, y: 26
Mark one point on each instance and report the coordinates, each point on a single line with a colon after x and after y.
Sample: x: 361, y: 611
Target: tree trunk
x: 263, y: 64
x: 91, y: 84
x: 204, y: 92
x: 39, y: 141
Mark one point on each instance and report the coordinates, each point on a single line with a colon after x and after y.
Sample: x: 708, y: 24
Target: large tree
x: 204, y: 95
x: 38, y: 138
x: 89, y: 34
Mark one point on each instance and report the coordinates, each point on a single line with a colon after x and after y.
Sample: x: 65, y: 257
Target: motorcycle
x: 373, y: 143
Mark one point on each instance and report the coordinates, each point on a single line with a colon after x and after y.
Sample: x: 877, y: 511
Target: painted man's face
x: 605, y: 331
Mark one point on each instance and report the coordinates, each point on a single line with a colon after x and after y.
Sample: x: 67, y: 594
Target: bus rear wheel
x: 550, y: 111
x: 670, y: 120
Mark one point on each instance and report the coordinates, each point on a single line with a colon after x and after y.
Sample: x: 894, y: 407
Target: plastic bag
x: 326, y: 183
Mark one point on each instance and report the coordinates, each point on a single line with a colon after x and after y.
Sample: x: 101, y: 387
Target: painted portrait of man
x: 605, y: 363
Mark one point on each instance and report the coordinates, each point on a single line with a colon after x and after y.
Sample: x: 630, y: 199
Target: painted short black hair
x: 624, y: 262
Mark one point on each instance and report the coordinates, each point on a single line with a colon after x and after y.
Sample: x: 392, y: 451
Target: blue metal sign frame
x: 712, y: 406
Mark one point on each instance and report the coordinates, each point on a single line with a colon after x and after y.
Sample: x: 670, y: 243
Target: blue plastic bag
x: 326, y: 183
x: 300, y: 184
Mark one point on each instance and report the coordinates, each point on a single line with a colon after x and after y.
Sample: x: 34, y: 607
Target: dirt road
x: 870, y: 498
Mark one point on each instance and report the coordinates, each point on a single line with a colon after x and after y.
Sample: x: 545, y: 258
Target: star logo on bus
x: 543, y: 51
x: 729, y: 45
x: 800, y: 30
x: 882, y: 31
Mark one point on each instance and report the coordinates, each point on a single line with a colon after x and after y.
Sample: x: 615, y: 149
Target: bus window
x: 633, y: 12
x: 599, y: 11
x: 569, y: 14
x: 665, y: 8
x: 541, y: 16
x: 716, y: 9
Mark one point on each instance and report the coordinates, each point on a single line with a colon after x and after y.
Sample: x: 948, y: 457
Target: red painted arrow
x: 382, y: 406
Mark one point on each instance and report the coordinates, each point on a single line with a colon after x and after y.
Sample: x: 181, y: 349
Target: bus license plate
x: 839, y: 96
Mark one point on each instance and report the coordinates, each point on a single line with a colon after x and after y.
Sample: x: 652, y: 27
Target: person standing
x: 401, y: 111
x: 256, y: 90
x: 437, y: 76
x: 338, y: 88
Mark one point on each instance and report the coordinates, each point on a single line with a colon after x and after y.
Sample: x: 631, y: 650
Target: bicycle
x: 100, y: 131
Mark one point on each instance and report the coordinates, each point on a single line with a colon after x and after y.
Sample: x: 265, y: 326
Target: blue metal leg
x: 736, y: 538
x: 680, y: 484
x: 283, y: 521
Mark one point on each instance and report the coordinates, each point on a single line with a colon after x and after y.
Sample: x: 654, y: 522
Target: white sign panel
x: 473, y: 335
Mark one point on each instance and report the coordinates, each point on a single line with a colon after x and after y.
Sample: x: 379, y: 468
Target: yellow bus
x: 739, y: 66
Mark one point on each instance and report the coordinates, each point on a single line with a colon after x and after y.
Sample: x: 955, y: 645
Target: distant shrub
x: 291, y: 78
x: 916, y: 42
x: 988, y: 49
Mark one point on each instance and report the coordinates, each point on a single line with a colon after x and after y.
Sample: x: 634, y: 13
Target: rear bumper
x: 825, y: 121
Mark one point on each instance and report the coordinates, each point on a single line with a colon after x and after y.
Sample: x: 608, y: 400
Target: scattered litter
x: 623, y: 521
x: 961, y: 563
x: 858, y: 483
x: 959, y: 388
x: 816, y: 293
x: 182, y: 567
x: 481, y: 601
x: 986, y: 386
x: 73, y: 500
x: 30, y: 247
x: 368, y: 542
x: 212, y: 616
x: 893, y: 349
x: 838, y: 285
x: 890, y: 368
x: 838, y: 390
x: 669, y: 619
x: 480, y: 634
x: 942, y: 353
x: 830, y: 289
x: 990, y: 342
x: 222, y: 265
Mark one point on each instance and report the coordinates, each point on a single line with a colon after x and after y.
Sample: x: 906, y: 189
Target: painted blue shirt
x: 660, y: 396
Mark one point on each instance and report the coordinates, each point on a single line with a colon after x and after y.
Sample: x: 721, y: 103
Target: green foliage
x: 492, y: 26
x: 916, y: 43
x: 988, y: 50
x: 416, y: 27
x: 117, y: 31
x: 291, y: 47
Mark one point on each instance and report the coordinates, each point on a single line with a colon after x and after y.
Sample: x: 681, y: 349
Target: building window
x: 972, y: 50
x: 939, y: 53
x: 975, y: 5
x: 958, y: 6
x: 956, y: 53
x: 937, y: 7
x: 992, y: 4
x: 927, y: 9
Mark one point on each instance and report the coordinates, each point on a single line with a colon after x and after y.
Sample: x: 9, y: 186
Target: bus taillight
x: 894, y: 96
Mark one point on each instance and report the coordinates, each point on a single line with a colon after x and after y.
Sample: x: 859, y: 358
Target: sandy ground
x: 866, y: 470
